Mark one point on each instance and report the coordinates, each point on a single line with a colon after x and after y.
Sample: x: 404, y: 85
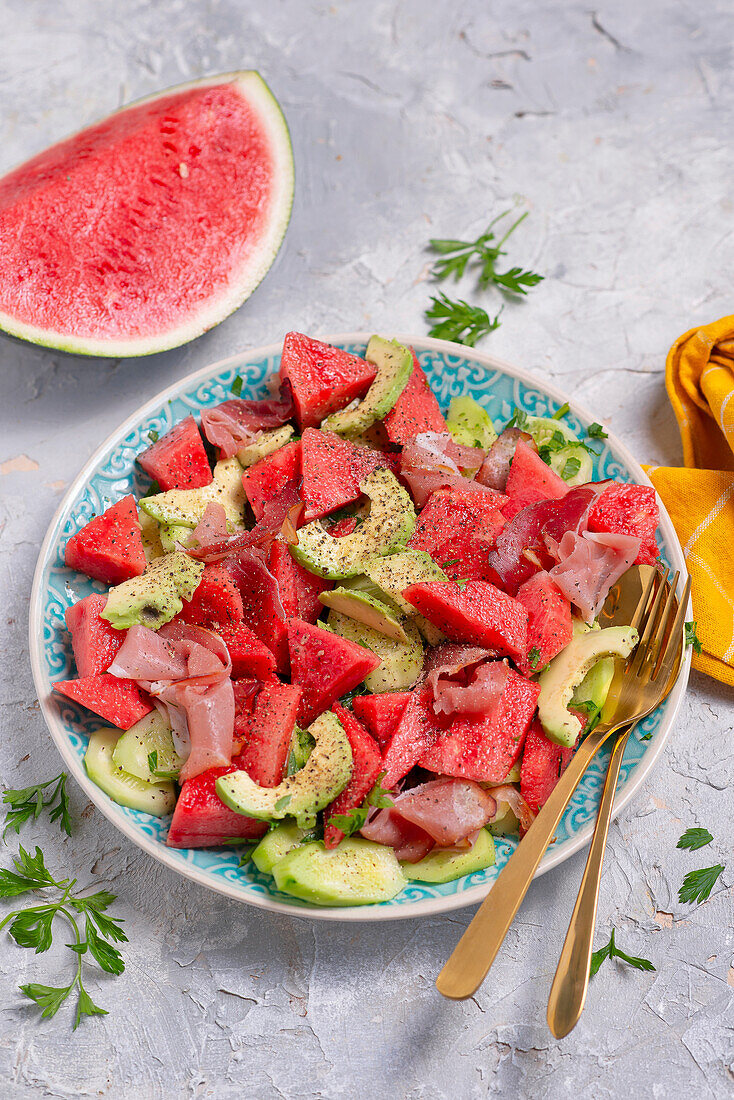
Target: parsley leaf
x: 459, y: 321
x: 461, y: 582
x: 355, y: 819
x: 378, y: 796
x: 571, y: 468
x: 28, y: 802
x: 596, y: 431
x: 692, y: 637
x: 698, y: 884
x: 483, y: 253
x: 237, y: 386
x: 519, y: 419
x: 153, y: 760
x: 153, y: 435
x: 611, y: 951
x: 282, y: 802
x: 694, y: 838
x: 560, y: 413
x: 534, y: 657
x: 451, y: 561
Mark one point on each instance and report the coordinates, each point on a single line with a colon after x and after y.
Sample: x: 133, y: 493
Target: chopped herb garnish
x: 559, y: 413
x: 692, y: 636
x: 596, y: 431
x: 459, y: 321
x: 461, y: 582
x: 353, y: 821
x: 519, y: 419
x: 237, y: 386
x: 153, y: 436
x: 694, y: 838
x: 534, y: 657
x: 592, y: 712
x: 646, y: 737
x: 451, y: 561
x: 571, y: 468
x: 28, y: 802
x: 611, y: 951
x: 153, y: 760
x: 484, y: 253
x: 697, y: 885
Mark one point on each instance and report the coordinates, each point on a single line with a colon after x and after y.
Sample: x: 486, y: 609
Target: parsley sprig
x: 459, y: 321
x: 32, y: 926
x: 692, y: 636
x: 483, y: 253
x: 698, y: 884
x: 353, y: 821
x: 611, y: 951
x: 29, y: 802
x: 694, y: 839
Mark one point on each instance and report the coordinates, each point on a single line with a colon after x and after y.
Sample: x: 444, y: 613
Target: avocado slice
x: 186, y: 506
x: 358, y: 872
x: 276, y: 843
x: 566, y: 671
x: 506, y: 824
x: 365, y: 609
x: 154, y: 597
x: 447, y: 866
x: 324, y: 776
x: 152, y: 734
x: 394, y: 573
x: 266, y: 444
x: 394, y: 364
x: 125, y: 789
x: 470, y: 424
x: 387, y: 528
x: 402, y: 662
x: 150, y: 532
x: 171, y: 533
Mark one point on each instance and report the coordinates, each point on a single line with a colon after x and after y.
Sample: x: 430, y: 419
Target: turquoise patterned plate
x: 111, y: 473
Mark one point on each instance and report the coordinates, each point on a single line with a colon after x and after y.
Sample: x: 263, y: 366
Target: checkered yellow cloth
x: 700, y: 496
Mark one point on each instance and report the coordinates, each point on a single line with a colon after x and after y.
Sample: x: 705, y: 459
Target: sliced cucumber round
x: 446, y: 866
x: 276, y: 843
x: 573, y: 463
x: 127, y: 790
x: 134, y: 751
x: 358, y: 872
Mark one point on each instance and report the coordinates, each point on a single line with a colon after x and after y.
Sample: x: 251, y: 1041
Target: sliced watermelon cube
x: 332, y: 470
x: 549, y: 621
x: 93, y: 640
x: 270, y: 475
x: 201, y: 820
x: 458, y: 527
x: 416, y: 410
x: 119, y: 702
x: 543, y: 764
x: 178, y: 459
x: 216, y: 601
x: 366, y: 766
x: 299, y: 589
x: 251, y: 658
x: 486, y: 747
x: 381, y: 713
x: 530, y: 479
x: 416, y: 730
x: 261, y: 605
x: 325, y: 666
x: 110, y: 547
x: 629, y: 510
x: 475, y: 612
x: 343, y: 526
x: 322, y: 378
x: 265, y: 721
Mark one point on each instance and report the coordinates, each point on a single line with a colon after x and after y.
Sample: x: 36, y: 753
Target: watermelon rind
x: 259, y: 96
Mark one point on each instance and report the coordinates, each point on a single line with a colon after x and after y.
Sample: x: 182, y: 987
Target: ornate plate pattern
x: 111, y: 473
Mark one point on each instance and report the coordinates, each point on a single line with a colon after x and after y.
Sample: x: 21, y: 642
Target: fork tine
x: 669, y: 651
x: 660, y: 638
x: 645, y: 600
x: 648, y: 624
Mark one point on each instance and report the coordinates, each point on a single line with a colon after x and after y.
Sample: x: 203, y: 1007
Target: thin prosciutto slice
x: 236, y: 423
x: 186, y: 669
x: 432, y: 460
x: 281, y: 514
x: 409, y: 842
x: 211, y: 528
x: 483, y: 690
x: 449, y: 810
x: 589, y: 564
x: 511, y: 796
x: 495, y: 469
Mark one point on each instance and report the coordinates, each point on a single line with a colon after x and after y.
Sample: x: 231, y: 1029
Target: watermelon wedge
x: 110, y: 547
x: 250, y: 657
x: 201, y: 820
x: 474, y: 612
x: 458, y: 528
x: 530, y: 480
x: 325, y: 666
x: 93, y: 640
x: 381, y: 713
x: 629, y: 510
x: 148, y: 228
x: 543, y: 764
x: 416, y: 410
x: 178, y: 459
x: 322, y: 378
x: 332, y: 469
x: 299, y: 589
x: 265, y: 721
x: 216, y: 601
x: 549, y: 622
x: 366, y: 766
x: 119, y: 702
x: 267, y: 477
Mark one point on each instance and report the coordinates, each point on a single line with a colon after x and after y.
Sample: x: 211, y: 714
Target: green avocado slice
x: 394, y: 364
x: 366, y: 609
x: 185, y: 507
x: 157, y: 595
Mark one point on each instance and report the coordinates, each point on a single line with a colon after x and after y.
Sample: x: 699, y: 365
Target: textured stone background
x: 408, y: 119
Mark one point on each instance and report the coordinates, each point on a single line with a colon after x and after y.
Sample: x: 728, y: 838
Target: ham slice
x: 495, y: 469
x: 478, y: 693
x: 432, y: 460
x: 211, y: 528
x: 589, y: 564
x: 281, y: 514
x: 236, y: 423
x: 409, y: 842
x: 449, y: 810
x: 510, y: 795
x: 186, y: 670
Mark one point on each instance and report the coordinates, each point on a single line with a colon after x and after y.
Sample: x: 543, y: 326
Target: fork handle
x: 475, y: 952
x: 571, y: 981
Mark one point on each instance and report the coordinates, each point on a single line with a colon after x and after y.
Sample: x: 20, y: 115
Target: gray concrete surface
x: 409, y: 119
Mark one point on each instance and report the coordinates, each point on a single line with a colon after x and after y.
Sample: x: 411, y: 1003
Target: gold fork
x: 570, y: 984
x: 631, y: 697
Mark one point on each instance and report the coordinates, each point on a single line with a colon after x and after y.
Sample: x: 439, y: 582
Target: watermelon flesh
x: 250, y: 657
x: 216, y: 602
x: 416, y: 410
x: 110, y: 547
x: 380, y: 713
x: 119, y: 702
x: 200, y: 818
x: 366, y: 766
x: 325, y: 666
x: 629, y: 510
x: 322, y: 378
x: 178, y: 459
x: 476, y: 613
x: 530, y: 480
x: 550, y: 628
x: 93, y: 640
x: 150, y: 227
x: 266, y: 478
x: 332, y: 470
x: 543, y: 764
x: 299, y: 589
x: 458, y: 528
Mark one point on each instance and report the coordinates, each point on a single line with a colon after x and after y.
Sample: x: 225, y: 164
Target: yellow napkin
x: 700, y: 497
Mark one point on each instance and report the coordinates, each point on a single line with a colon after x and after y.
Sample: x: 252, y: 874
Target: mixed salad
x: 348, y: 631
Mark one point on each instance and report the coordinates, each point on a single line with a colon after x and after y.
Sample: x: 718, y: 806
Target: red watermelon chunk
x: 119, y: 702
x: 325, y: 666
x: 299, y: 589
x: 216, y: 601
x: 629, y: 510
x: 270, y: 475
x: 250, y: 657
x: 543, y: 763
x: 178, y: 459
x: 93, y: 640
x: 343, y: 527
x: 110, y: 547
x: 381, y: 713
x: 530, y: 479
x: 323, y: 378
x: 483, y: 747
x: 265, y: 721
x: 332, y: 470
x: 201, y: 820
x: 416, y: 410
x: 458, y: 527
x: 549, y: 622
x: 476, y: 613
x: 261, y: 604
x: 416, y: 730
x: 366, y: 766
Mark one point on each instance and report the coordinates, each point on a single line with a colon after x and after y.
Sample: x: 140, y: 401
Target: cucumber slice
x: 506, y: 824
x: 276, y: 844
x: 127, y: 790
x: 573, y: 463
x: 150, y: 734
x: 446, y: 866
x: 358, y: 872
